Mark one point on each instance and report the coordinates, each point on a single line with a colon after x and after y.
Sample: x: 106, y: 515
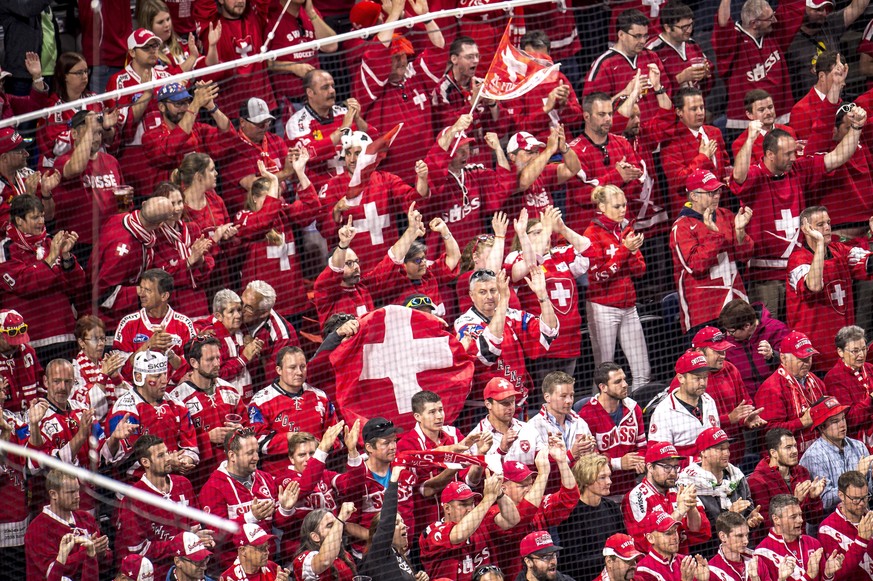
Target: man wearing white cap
x: 136, y: 568
x: 254, y: 547
x: 620, y: 558
x: 191, y: 556
x: 537, y: 178
x: 147, y: 406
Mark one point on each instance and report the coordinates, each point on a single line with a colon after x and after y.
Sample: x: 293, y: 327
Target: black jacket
x: 22, y: 32
x: 382, y: 562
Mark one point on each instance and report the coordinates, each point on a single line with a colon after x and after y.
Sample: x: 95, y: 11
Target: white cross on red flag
x: 370, y: 157
x: 396, y: 353
x: 513, y: 72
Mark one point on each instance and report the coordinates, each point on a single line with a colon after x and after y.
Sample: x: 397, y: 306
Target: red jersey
x: 171, y: 254
x: 681, y: 157
x: 208, y: 411
x: 537, y: 197
x: 20, y: 368
x: 387, y: 104
x: 854, y: 388
x: 528, y: 109
x: 785, y: 399
x: 704, y: 265
x: 164, y: 148
x: 726, y: 387
x: 236, y: 572
x: 277, y: 264
x: 276, y: 333
x: 182, y: 14
x: 241, y: 161
x: 654, y: 567
x: 765, y: 482
x: 92, y: 388
x: 138, y: 327
x: 758, y: 146
x: 104, y: 33
x: 773, y: 550
x: 308, y: 129
x: 372, y: 498
x: 615, y: 440
x: 331, y: 297
x: 291, y: 31
x: 274, y: 412
x: 838, y: 533
x: 94, y: 187
x: 612, y: 266
x: 644, y: 499
x: 748, y: 63
x: 806, y: 111
x: 234, y: 364
x: 678, y: 58
x: 561, y: 267
x: 441, y: 558
x: 44, y: 537
x: 723, y: 569
x: 821, y: 315
x: 372, y: 211
x: 53, y: 134
x: 595, y: 171
x: 390, y: 275
x: 39, y: 292
x: 559, y: 23
x: 14, y: 513
x: 776, y: 202
x: 613, y: 70
x: 147, y: 530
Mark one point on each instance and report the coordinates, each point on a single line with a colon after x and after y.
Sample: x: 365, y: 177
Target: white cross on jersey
x: 789, y: 224
x: 243, y: 49
x: 282, y: 252
x: 122, y: 249
x: 725, y: 270
x: 654, y: 7
x: 561, y: 294
x: 612, y: 250
x: 839, y: 295
x: 373, y: 223
x: 419, y: 99
x: 381, y: 360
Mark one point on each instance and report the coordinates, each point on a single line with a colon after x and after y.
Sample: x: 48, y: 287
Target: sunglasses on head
x: 483, y: 273
x: 420, y: 301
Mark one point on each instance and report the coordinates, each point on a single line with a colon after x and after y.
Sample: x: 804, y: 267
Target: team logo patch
x: 525, y: 446
x: 140, y: 338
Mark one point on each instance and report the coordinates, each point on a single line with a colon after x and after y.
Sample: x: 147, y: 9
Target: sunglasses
x: 419, y: 301
x: 484, y: 273
x: 14, y: 331
x: 482, y: 571
x: 480, y: 239
x: 605, y: 153
x: 240, y: 433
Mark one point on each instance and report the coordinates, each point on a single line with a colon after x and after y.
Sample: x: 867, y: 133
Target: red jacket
x: 276, y: 333
x: 766, y: 482
x: 837, y: 533
x: 171, y: 254
x: 612, y: 268
x: 804, y: 114
x: 613, y: 70
x: 854, y: 389
x: 675, y: 61
x: 614, y: 441
x: 704, y: 265
x: 528, y: 109
x: 331, y: 297
x: 758, y: 146
x: 43, y: 539
x: 681, y: 157
x: 784, y: 400
x: 645, y: 499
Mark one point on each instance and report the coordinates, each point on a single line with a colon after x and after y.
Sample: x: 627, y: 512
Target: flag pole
x: 490, y: 66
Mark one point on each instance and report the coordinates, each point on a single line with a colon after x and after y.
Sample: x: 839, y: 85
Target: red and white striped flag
x: 513, y: 72
x: 372, y: 154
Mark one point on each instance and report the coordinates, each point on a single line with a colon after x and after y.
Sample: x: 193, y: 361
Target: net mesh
x: 472, y: 286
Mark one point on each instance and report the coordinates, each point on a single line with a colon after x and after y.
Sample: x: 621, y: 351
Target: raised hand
x: 541, y: 461
x: 493, y: 486
x: 709, y: 219
x: 500, y: 224
x: 520, y: 224
x: 462, y: 124
x: 492, y: 141
x: 214, y: 34
x: 755, y: 129
x: 536, y: 282
x: 813, y: 564
x: 288, y: 495
x: 346, y: 234
x: 346, y: 510
x: 351, y: 437
x: 330, y: 435
x: 755, y: 518
x: 421, y: 170
x: 33, y: 65
x: 743, y: 217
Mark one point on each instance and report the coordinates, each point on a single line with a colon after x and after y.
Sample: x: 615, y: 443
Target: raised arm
x: 724, y: 12
x: 446, y: 139
x: 537, y: 283
x: 299, y: 159
x: 433, y: 30
x: 853, y: 11
x: 522, y: 268
x: 81, y: 150
x: 814, y: 279
x: 413, y: 231
x: 332, y: 542
x: 744, y: 156
x: 536, y: 166
x: 468, y: 525
x: 493, y: 141
x: 396, y: 9
x: 345, y: 234
x: 500, y: 225
x: 846, y: 148
x: 538, y: 488
x: 453, y: 251
x: 498, y: 321
x: 571, y: 164
x: 320, y: 27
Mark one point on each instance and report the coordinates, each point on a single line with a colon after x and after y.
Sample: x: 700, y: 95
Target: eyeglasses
x: 151, y: 47
x: 667, y: 467
x: 83, y: 73
x: 482, y: 571
x: 771, y: 18
x: 418, y: 260
x: 641, y: 37
x: 203, y: 563
x: 419, y: 301
x: 549, y: 557
x: 857, y: 499
x: 483, y: 273
x: 14, y: 331
x: 352, y: 263
x: 96, y: 340
x: 685, y: 27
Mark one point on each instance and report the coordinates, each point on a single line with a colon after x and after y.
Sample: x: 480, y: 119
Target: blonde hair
x: 481, y: 241
x: 586, y: 469
x: 146, y: 12
x: 601, y: 194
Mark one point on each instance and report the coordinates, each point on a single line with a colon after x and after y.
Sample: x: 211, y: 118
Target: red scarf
x: 133, y: 224
x: 30, y: 243
x: 182, y: 241
x: 431, y: 458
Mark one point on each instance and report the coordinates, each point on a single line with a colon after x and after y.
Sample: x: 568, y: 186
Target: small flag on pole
x: 513, y: 72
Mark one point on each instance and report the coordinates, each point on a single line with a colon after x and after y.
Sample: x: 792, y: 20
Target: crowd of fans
x: 179, y: 264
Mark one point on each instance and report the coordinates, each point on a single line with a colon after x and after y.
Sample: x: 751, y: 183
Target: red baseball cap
x: 712, y: 338
x: 824, y: 409
x: 538, y: 543
x: 621, y: 546
x: 797, y: 344
x: 400, y: 45
x: 138, y: 568
x: 498, y: 388
x: 692, y: 362
x: 659, y: 521
x: 711, y: 437
x: 10, y: 140
x: 516, y: 472
x: 703, y: 179
x: 13, y: 326
x: 819, y: 3
x: 657, y: 451
x: 365, y: 14
x: 458, y: 491
x: 251, y: 534
x: 141, y: 37
x: 189, y: 546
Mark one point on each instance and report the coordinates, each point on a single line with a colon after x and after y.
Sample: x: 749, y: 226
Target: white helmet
x: 148, y: 363
x: 352, y: 139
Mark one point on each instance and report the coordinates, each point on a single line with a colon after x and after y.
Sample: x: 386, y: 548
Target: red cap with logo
x: 10, y: 140
x: 141, y: 37
x: 250, y: 534
x: 516, y: 472
x: 365, y: 14
x: 622, y: 546
x: 538, y: 543
x: 457, y: 491
x: 498, y: 388
x: 14, y: 328
x: 797, y: 344
x: 657, y: 451
x: 712, y: 338
x: 711, y: 437
x: 137, y: 568
x: 659, y: 521
x: 703, y: 179
x: 189, y: 546
x: 692, y: 362
x: 825, y: 409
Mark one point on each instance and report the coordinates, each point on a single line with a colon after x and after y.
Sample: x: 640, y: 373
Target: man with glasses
x: 820, y: 273
x: 707, y: 243
x: 605, y: 158
x: 539, y: 556
x: 254, y: 548
x: 617, y: 67
x: 658, y: 494
x: 850, y: 380
x: 833, y: 453
x: 665, y: 559
x: 179, y: 130
x: 751, y: 55
x: 20, y: 369
x: 191, y: 557
x: 260, y: 321
x: 17, y: 179
x: 340, y: 288
x: 849, y: 528
x: 684, y: 62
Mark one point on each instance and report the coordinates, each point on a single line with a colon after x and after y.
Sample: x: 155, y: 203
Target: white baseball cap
x: 138, y: 568
x: 523, y: 140
x: 255, y: 110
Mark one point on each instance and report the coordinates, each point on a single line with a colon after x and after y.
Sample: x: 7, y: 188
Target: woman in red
x: 561, y: 265
x: 175, y: 55
x: 266, y: 229
x: 236, y: 353
x: 321, y: 556
x: 97, y: 379
x: 611, y: 301
x: 183, y: 252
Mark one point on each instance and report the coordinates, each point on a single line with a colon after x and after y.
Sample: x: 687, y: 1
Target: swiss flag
x: 396, y: 353
x: 513, y: 72
x: 370, y: 158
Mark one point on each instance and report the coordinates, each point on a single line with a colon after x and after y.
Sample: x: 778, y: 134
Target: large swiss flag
x: 396, y: 353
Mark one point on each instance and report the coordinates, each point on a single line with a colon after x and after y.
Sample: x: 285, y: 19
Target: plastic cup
x: 233, y: 419
x: 123, y: 198
x: 698, y: 62
x: 361, y: 578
